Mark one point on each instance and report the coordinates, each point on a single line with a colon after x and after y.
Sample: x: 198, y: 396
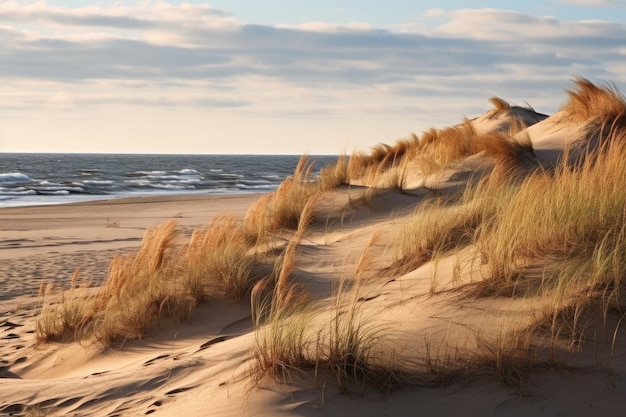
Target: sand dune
x: 459, y: 339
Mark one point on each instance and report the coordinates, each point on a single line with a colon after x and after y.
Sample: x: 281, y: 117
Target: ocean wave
x: 53, y: 192
x: 188, y: 171
x: 58, y: 189
x: 230, y: 175
x: 191, y: 180
x: 172, y: 177
x: 14, y: 177
x: 253, y: 182
x: 98, y: 182
x: 172, y: 187
x: 16, y: 191
x: 149, y: 173
x: 254, y: 187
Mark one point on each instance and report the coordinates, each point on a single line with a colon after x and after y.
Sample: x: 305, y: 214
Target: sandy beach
x: 456, y: 342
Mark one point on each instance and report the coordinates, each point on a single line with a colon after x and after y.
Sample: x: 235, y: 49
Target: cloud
x: 327, y: 27
x: 144, y: 15
x: 594, y: 3
x: 153, y: 54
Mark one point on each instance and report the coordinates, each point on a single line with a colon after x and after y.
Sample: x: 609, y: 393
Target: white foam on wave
x: 98, y: 182
x: 14, y: 177
x: 64, y: 189
x: 186, y: 180
x: 188, y: 171
x: 254, y: 187
x: 16, y: 191
x: 151, y: 173
x: 171, y: 187
x: 54, y: 192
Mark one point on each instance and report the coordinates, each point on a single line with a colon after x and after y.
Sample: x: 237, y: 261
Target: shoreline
x: 52, y: 200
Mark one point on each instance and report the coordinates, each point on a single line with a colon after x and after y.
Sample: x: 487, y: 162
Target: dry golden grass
x: 381, y: 158
x: 60, y: 320
x: 575, y: 213
x: 558, y: 235
x: 282, y: 209
x: 163, y: 280
x: 335, y: 175
x: 386, y: 166
x: 499, y: 105
x: 218, y: 263
x: 353, y: 349
x: 281, y: 313
x: 434, y: 229
x: 589, y: 102
x: 513, y: 156
x: 349, y: 347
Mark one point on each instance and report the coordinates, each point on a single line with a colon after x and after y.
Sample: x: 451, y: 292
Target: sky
x: 284, y: 76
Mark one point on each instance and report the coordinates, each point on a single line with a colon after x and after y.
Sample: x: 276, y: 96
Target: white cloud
x: 593, y: 3
x: 327, y: 27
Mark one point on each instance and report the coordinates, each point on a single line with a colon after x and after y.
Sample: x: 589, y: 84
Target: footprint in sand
x: 11, y: 409
x: 151, y: 361
x: 10, y: 325
x: 5, y: 373
x: 211, y: 343
x: 69, y: 402
x: 178, y: 391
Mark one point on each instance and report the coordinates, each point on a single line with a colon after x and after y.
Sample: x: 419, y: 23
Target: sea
x: 28, y: 179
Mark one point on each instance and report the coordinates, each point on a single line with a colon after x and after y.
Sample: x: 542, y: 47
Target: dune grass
x: 433, y: 229
x: 590, y: 102
x: 559, y: 235
x: 386, y: 166
x: 163, y: 280
x: 295, y: 339
x: 575, y: 213
x: 554, y: 234
x: 282, y: 209
x: 218, y: 262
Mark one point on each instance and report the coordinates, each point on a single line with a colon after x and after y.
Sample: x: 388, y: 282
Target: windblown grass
x: 437, y: 149
x: 348, y: 346
x: 282, y: 209
x: 335, y: 175
x: 162, y: 280
x: 577, y: 213
x: 589, y: 102
x: 218, y: 263
x: 558, y: 235
x: 434, y: 229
